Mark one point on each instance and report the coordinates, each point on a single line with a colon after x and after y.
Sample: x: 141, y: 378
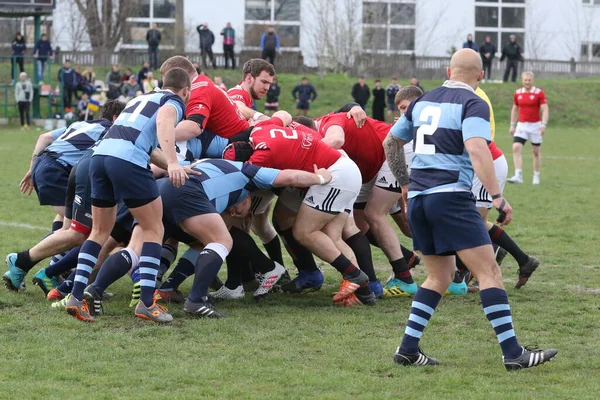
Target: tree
x: 72, y: 31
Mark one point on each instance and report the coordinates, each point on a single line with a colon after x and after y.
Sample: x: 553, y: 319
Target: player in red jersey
x: 528, y: 102
x: 379, y: 193
x: 257, y: 78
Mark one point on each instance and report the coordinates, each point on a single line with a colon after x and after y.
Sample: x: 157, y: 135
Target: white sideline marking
x: 572, y: 158
x: 20, y: 225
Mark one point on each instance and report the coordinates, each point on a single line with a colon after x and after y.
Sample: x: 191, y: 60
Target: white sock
x: 518, y: 172
x: 536, y: 173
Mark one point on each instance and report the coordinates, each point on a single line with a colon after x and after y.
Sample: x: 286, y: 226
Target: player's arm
x: 297, y: 178
x: 44, y: 140
x: 283, y: 116
x: 187, y: 129
x: 165, y: 127
x: 249, y: 113
x: 394, y: 154
x: 514, y: 116
x: 335, y: 137
x: 545, y: 115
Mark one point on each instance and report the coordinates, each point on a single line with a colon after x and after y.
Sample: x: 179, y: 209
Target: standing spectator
x: 512, y: 52
x: 488, y: 52
x: 153, y: 38
x: 42, y: 51
x: 390, y: 92
x: 304, y: 94
x: 378, y: 102
x: 18, y: 50
x: 228, y: 34
x: 143, y: 73
x: 207, y: 39
x: 68, y: 81
x: 82, y: 107
x: 24, y: 96
x: 149, y: 83
x: 269, y: 44
x: 470, y: 44
x: 130, y: 88
x: 361, y: 92
x: 114, y: 80
x: 127, y: 75
x: 272, y: 100
x: 415, y: 82
x: 90, y: 75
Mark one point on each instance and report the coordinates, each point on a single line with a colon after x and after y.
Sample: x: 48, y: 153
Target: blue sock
x: 56, y: 225
x: 168, y: 254
x: 495, y: 306
x: 88, y: 255
x: 67, y: 285
x: 149, y: 262
x: 67, y: 262
x: 115, y: 266
x: 421, y: 310
x: 185, y: 268
x: 56, y: 258
x: 135, y: 275
x: 207, y: 267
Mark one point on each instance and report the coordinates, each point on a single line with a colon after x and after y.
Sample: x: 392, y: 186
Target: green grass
x: 302, y: 346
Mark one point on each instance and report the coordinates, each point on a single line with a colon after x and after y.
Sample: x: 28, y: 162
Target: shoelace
x: 161, y: 307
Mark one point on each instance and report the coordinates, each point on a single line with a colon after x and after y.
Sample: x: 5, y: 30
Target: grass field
x: 303, y: 346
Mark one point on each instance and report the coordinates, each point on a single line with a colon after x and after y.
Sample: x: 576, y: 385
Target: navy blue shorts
x: 444, y: 223
x: 50, y: 180
x: 302, y: 105
x: 114, y: 179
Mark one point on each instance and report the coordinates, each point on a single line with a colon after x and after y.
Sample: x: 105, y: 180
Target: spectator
x: 470, y: 44
x: 415, y: 82
x: 127, y: 74
x: 130, y: 88
x: 228, y: 34
x: 82, y: 83
x: 153, y: 38
x: 390, y: 92
x: 18, y: 50
x: 24, y: 96
x: 114, y: 80
x: 42, y: 51
x: 512, y: 52
x: 269, y: 44
x: 82, y: 107
x: 272, y: 100
x: 207, y: 39
x: 304, y: 94
x: 68, y: 81
x: 378, y: 102
x: 149, y: 83
x: 361, y: 92
x: 90, y: 75
x: 219, y: 82
x: 488, y: 52
x: 143, y: 73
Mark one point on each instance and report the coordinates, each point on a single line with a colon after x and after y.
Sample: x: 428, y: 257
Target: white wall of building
x: 441, y: 25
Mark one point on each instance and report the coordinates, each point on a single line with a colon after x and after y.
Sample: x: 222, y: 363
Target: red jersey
x: 529, y: 104
x: 292, y: 147
x: 363, y: 145
x: 495, y: 150
x: 213, y: 109
x: 236, y: 93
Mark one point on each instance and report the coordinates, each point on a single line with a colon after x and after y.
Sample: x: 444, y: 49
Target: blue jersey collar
x: 457, y: 85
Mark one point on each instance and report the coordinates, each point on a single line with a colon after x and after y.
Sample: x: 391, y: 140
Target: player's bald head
x: 178, y: 62
x: 466, y: 66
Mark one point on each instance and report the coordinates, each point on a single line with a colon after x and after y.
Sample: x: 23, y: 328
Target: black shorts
x: 50, y: 180
x: 302, y: 105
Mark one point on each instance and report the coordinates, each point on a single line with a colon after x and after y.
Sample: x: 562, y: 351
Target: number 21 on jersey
x: 428, y: 112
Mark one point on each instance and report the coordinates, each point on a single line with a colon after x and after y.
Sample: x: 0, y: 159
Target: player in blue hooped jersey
x: 451, y: 129
x: 119, y: 170
x: 207, y: 145
x: 202, y: 211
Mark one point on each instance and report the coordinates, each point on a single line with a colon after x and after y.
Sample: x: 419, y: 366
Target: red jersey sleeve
x: 331, y: 120
x: 199, y: 106
x: 542, y: 98
x: 515, y: 99
x: 262, y: 158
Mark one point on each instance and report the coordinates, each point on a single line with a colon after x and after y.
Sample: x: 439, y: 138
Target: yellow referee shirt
x: 479, y: 92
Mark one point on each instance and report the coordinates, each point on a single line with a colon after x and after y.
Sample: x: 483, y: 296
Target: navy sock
x: 497, y: 310
x: 115, y: 266
x: 149, y: 262
x: 67, y: 285
x: 421, y: 310
x: 362, y: 250
x: 135, y: 275
x: 207, y: 267
x: 167, y: 256
x: 88, y: 255
x: 401, y: 271
x: 69, y: 261
x: 501, y: 238
x: 56, y: 225
x: 56, y: 258
x: 274, y: 250
x: 302, y: 257
x: 185, y: 268
x: 235, y: 265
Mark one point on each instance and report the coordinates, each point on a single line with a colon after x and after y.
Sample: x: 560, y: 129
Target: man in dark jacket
x: 361, y: 92
x: 470, y: 44
x: 18, y: 50
x: 153, y: 38
x: 42, y: 51
x: 269, y: 44
x: 512, y: 52
x: 304, y: 94
x: 143, y: 73
x: 207, y: 39
x: 488, y: 52
x: 378, y: 102
x: 228, y: 34
x: 68, y: 82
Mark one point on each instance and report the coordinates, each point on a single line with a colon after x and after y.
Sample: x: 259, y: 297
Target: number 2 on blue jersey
x: 435, y: 114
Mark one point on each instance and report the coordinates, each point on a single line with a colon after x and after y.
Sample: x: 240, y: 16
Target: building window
x: 388, y: 26
x: 590, y: 52
x: 591, y: 2
x: 159, y: 12
x: 499, y: 19
x: 284, y: 15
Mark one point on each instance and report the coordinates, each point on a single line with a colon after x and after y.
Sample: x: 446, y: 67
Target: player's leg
x: 262, y: 227
x: 359, y: 244
x: 519, y: 140
x: 537, y: 161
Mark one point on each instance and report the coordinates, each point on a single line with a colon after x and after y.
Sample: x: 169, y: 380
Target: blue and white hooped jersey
x: 71, y: 143
x: 133, y: 136
x: 440, y: 122
x: 226, y: 183
x: 207, y: 145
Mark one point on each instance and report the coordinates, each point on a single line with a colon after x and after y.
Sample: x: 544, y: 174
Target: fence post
x: 37, y: 23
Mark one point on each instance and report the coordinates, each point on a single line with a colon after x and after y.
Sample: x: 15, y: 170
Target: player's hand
x: 324, y: 173
x: 505, y: 211
x: 26, y: 184
x: 542, y: 130
x: 512, y: 131
x: 177, y: 174
x: 189, y: 169
x: 358, y: 114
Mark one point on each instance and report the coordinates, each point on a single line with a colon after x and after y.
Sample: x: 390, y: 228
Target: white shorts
x: 292, y: 197
x: 529, y: 131
x: 384, y: 179
x: 261, y: 200
x: 482, y: 197
x: 409, y: 154
x: 340, y: 194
